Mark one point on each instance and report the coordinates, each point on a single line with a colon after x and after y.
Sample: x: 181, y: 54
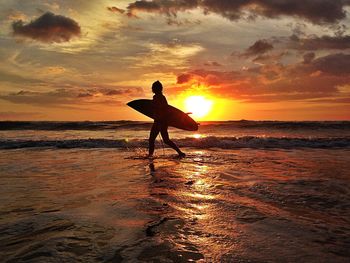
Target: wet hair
x: 157, y: 87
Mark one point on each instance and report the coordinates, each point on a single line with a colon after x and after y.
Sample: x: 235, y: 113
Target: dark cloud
x: 339, y: 42
x: 308, y: 57
x: 334, y: 64
x: 316, y: 11
x: 130, y: 91
x: 114, y: 92
x: 183, y: 78
x: 258, y: 50
x: 212, y: 64
x: 48, y: 28
x: 259, y: 47
x: 175, y: 21
x: 169, y: 8
x: 116, y: 10
x: 85, y: 95
x: 270, y: 58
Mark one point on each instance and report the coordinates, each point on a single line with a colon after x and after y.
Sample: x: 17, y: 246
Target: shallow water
x: 216, y: 205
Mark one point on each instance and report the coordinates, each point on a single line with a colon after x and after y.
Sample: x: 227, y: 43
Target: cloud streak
x: 316, y: 11
x: 318, y: 43
x: 318, y: 78
x: 115, y: 9
x: 63, y: 97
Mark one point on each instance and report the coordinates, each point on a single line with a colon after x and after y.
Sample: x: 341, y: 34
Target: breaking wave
x: 138, y: 125
x: 202, y: 143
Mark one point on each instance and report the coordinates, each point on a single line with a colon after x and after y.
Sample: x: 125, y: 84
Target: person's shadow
x: 152, y: 168
x: 153, y: 172
x: 156, y: 175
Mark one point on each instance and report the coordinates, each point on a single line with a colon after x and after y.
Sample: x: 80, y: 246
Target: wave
x: 74, y: 125
x: 137, y: 125
x: 245, y: 124
x: 202, y: 143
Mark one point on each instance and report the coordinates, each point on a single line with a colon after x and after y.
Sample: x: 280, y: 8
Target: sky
x: 253, y: 59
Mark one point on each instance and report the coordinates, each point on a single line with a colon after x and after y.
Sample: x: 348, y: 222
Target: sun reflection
x: 201, y: 196
x: 197, y: 136
x: 200, y: 207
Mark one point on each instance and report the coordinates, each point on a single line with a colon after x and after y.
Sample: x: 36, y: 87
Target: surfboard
x: 177, y: 118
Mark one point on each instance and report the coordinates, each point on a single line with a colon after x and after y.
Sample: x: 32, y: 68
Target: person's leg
x: 165, y: 136
x: 152, y: 137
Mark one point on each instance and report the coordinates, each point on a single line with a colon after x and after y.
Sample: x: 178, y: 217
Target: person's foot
x: 182, y: 155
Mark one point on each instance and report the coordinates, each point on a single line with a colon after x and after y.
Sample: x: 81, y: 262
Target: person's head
x: 157, y: 87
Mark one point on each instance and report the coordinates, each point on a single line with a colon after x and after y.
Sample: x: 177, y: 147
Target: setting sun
x: 198, y: 106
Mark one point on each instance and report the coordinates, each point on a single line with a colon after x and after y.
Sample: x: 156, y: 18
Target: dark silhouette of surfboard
x: 176, y: 118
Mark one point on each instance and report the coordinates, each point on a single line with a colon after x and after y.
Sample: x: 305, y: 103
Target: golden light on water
x: 197, y: 136
x: 199, y: 106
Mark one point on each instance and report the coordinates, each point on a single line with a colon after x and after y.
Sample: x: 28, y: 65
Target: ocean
x: 247, y: 191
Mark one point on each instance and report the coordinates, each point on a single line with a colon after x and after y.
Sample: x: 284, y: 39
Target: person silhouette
x: 160, y: 123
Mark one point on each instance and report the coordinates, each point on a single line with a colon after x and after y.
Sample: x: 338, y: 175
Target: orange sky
x: 84, y: 60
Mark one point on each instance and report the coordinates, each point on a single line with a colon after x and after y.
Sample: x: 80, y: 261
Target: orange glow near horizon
x: 199, y: 106
x: 204, y: 106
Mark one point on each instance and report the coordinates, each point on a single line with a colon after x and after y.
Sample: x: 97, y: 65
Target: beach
x: 173, y: 131
x: 84, y: 195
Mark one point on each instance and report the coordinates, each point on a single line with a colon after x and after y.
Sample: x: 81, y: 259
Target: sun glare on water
x: 198, y: 106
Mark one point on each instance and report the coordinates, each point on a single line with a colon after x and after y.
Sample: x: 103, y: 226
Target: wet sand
x: 110, y: 205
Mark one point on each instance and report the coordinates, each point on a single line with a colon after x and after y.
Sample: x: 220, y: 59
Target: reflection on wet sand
x: 187, y: 191
x: 242, y: 211
x: 213, y: 206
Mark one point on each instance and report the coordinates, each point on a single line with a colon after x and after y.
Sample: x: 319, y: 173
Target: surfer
x: 160, y: 124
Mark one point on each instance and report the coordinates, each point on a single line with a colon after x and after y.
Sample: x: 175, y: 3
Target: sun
x: 198, y: 106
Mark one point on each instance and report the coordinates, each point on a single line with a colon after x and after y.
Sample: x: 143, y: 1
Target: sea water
x: 246, y: 192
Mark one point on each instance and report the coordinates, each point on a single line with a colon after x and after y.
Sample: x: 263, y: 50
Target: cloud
x: 55, y: 70
x: 53, y: 98
x: 120, y: 91
x: 258, y: 48
x: 48, y: 28
x: 294, y: 42
x: 169, y: 56
x: 325, y: 42
x: 63, y: 97
x: 114, y: 9
x: 17, y: 79
x: 308, y: 57
x: 270, y: 58
x: 16, y: 15
x: 184, y: 78
x: 318, y: 78
x: 212, y: 64
x: 334, y: 64
x: 344, y: 100
x: 316, y: 11
x: 169, y: 8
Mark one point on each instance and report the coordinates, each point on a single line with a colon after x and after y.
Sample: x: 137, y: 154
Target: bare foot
x: 182, y: 155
